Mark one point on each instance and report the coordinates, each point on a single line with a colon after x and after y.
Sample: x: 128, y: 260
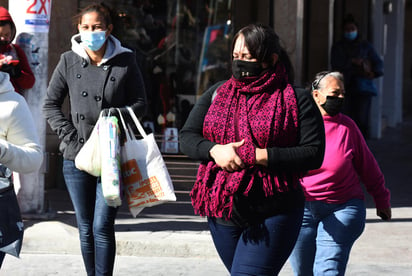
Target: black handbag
x: 11, y: 224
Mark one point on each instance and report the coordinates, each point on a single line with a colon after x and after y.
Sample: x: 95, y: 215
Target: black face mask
x: 4, y: 42
x: 241, y: 68
x: 333, y: 105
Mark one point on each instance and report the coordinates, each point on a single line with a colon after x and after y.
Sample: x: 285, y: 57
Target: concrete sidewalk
x: 170, y: 240
x: 51, y: 248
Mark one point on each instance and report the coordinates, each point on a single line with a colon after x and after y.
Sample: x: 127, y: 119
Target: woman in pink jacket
x: 335, y: 211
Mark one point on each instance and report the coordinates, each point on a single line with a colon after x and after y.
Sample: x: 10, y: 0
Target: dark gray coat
x: 116, y: 83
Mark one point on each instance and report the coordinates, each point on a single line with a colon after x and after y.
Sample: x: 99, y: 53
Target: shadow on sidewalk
x: 174, y: 216
x: 394, y: 155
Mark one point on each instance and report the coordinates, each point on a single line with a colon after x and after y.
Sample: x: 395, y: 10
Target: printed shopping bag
x: 145, y: 177
x: 88, y: 159
x: 110, y: 157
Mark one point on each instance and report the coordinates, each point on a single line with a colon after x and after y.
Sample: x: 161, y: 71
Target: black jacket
x: 116, y: 83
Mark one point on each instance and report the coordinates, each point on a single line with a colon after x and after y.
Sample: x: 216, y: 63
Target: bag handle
x: 136, y: 122
x: 126, y: 129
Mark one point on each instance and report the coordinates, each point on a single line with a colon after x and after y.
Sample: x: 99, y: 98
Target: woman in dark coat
x: 255, y: 136
x: 97, y: 74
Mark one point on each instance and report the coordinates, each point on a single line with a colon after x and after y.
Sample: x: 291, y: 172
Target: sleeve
x: 52, y: 106
x: 192, y: 142
x: 368, y: 169
x: 309, y: 151
x: 26, y: 79
x: 21, y: 151
x: 136, y: 89
x: 376, y: 60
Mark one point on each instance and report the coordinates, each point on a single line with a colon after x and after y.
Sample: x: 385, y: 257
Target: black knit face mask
x: 333, y: 105
x: 241, y: 68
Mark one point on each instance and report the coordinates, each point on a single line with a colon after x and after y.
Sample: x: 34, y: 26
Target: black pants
x: 11, y: 224
x: 2, y: 255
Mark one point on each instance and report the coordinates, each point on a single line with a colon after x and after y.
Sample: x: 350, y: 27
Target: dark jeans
x: 95, y: 220
x: 257, y: 250
x: 11, y: 224
x: 2, y: 255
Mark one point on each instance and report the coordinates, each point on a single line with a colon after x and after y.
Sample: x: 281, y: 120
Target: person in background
x: 360, y: 64
x: 13, y: 60
x: 21, y: 152
x: 335, y: 212
x: 255, y: 136
x: 97, y: 74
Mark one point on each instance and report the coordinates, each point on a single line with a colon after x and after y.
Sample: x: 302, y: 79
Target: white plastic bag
x: 89, y: 159
x: 145, y: 176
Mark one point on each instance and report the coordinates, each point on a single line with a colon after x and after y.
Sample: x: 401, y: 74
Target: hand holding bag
x: 145, y: 177
x: 89, y: 159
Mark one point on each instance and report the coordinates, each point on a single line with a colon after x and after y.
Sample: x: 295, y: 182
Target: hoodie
x: 5, y: 16
x: 21, y: 75
x: 20, y: 150
x: 113, y: 49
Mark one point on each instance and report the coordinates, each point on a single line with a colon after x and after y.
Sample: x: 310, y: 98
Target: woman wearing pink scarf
x: 256, y: 136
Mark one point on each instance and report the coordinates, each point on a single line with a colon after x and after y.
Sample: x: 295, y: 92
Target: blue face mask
x: 93, y: 40
x: 351, y: 35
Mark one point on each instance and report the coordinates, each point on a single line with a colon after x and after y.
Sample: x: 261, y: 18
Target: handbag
x: 11, y: 224
x: 88, y: 159
x: 145, y: 176
x: 110, y: 160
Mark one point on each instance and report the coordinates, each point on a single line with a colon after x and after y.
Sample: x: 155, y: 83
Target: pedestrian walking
x: 97, y: 74
x: 20, y: 152
x: 360, y: 64
x: 335, y: 212
x: 255, y: 136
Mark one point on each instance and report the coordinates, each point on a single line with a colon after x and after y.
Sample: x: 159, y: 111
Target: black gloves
x: 13, y: 70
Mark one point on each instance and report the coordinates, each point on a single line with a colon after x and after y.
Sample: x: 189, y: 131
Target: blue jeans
x: 258, y: 250
x: 95, y: 220
x: 326, y: 237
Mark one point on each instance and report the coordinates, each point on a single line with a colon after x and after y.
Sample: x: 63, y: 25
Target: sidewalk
x: 170, y: 240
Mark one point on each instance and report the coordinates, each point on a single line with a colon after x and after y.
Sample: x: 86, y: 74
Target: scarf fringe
x: 213, y: 198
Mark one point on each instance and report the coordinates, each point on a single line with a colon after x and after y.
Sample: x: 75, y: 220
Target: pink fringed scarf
x: 264, y: 106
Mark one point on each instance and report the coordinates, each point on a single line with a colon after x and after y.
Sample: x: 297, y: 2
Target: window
x: 182, y: 48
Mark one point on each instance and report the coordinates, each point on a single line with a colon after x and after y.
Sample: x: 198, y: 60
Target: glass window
x: 182, y: 47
